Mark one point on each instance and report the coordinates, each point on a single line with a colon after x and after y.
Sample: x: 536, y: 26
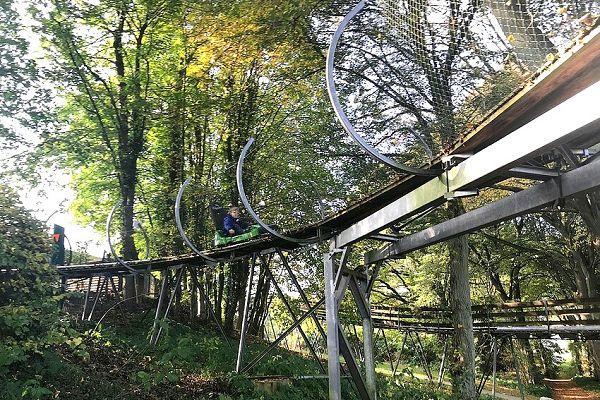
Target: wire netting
x: 415, y: 74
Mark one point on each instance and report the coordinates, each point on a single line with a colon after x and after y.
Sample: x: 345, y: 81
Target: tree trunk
x: 463, y: 365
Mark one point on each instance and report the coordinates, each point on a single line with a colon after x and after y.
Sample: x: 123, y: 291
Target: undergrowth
x: 117, y: 362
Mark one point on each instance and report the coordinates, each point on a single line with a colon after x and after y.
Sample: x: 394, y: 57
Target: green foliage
x: 412, y: 390
x: 21, y: 119
x: 194, y: 363
x: 31, y: 323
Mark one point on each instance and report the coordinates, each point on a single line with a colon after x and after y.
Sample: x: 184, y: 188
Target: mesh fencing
x: 414, y: 74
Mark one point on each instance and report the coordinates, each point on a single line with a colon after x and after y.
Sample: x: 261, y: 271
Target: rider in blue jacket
x: 232, y: 223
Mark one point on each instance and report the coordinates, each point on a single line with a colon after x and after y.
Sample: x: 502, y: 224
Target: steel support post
x: 400, y: 354
x: 99, y: 290
x: 425, y: 363
x: 371, y: 380
x: 146, y: 288
x: 135, y: 287
x: 358, y: 287
x: 240, y: 354
x: 87, y: 296
x: 387, y: 349
x: 163, y: 289
x: 494, y: 360
x: 443, y: 363
x: 517, y: 368
x: 353, y: 367
x: 485, y: 373
x: 331, y: 315
x: 336, y: 283
x: 272, y: 330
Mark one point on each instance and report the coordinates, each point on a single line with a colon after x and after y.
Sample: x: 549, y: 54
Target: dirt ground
x: 568, y: 390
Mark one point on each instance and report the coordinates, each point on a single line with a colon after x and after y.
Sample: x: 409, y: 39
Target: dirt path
x: 568, y: 390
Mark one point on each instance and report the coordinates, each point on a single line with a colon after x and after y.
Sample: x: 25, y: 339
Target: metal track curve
x: 244, y: 198
x: 341, y: 115
x: 186, y: 240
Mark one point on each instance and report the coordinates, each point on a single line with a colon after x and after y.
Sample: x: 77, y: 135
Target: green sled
x: 222, y: 240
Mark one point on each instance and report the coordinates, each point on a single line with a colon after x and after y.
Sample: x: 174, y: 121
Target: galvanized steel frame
x: 571, y: 183
x: 549, y: 130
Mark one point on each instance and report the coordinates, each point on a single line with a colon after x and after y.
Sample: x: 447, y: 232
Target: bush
x: 31, y: 323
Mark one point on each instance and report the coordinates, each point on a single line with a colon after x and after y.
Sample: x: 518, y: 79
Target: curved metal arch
x: 341, y: 115
x: 186, y: 240
x: 244, y: 198
x: 110, y: 245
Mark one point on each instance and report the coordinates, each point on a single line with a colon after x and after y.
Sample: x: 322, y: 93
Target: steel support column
x: 331, y: 315
x: 336, y: 282
x: 358, y: 288
x: 387, y: 349
x: 517, y: 368
x: 442, y: 363
x: 87, y: 297
x: 163, y: 288
x: 99, y: 289
x: 175, y: 286
x: 494, y: 362
x: 400, y: 354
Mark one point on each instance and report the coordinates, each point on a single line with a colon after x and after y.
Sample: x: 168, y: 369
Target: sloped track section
x: 576, y: 70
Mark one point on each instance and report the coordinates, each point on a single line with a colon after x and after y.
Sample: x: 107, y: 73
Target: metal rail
x: 579, y: 180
